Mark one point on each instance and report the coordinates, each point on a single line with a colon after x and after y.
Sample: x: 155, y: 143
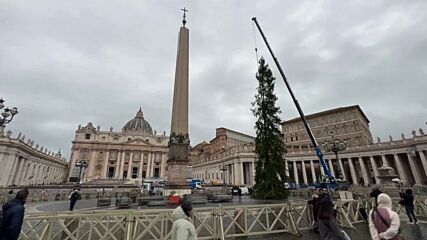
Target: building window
x: 134, y: 172
x: 87, y: 136
x: 116, y: 139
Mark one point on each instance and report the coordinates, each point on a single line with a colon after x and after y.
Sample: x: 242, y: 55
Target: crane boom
x: 297, y: 105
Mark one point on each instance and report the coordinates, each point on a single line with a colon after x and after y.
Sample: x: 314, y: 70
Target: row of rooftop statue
x: 384, y: 223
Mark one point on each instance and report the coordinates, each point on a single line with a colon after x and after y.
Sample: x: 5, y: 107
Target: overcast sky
x: 65, y: 63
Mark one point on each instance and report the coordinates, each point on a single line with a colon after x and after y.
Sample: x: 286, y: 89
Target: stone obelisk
x: 179, y: 138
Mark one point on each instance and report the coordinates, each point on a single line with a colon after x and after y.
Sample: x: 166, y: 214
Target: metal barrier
x: 211, y: 223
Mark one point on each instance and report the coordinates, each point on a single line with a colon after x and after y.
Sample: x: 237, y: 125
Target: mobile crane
x: 330, y: 182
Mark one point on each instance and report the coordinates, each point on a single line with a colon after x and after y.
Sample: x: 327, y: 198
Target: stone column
x: 304, y: 172
x: 374, y: 169
x: 148, y: 172
x: 122, y: 164
x: 90, y: 170
x: 141, y: 165
x: 295, y: 173
x: 130, y: 165
x: 22, y: 173
x: 313, y: 172
x: 17, y: 174
x: 353, y: 172
x: 322, y: 172
x: 384, y: 160
x: 423, y: 161
x: 400, y: 169
x: 364, y: 171
x: 344, y: 175
x: 163, y: 165
x: 8, y: 168
x: 331, y: 167
x: 105, y: 167
x: 415, y: 168
x: 242, y: 174
x: 117, y: 170
x: 235, y: 173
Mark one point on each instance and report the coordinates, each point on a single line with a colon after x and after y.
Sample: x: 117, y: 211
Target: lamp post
x: 7, y: 115
x: 81, y: 164
x: 335, y: 146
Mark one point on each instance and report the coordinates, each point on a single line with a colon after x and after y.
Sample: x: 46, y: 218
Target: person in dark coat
x: 13, y: 216
x: 73, y: 198
x: 375, y: 192
x: 315, y: 207
x: 328, y: 225
x: 408, y: 202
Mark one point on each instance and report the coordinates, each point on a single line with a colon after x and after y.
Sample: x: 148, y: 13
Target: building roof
x: 138, y: 125
x: 339, y: 109
x: 229, y: 130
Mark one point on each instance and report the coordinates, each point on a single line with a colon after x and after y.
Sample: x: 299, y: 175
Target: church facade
x: 132, y: 154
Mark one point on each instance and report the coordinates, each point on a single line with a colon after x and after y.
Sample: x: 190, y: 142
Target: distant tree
x: 270, y: 175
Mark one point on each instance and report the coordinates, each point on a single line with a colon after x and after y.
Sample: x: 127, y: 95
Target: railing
x: 211, y: 223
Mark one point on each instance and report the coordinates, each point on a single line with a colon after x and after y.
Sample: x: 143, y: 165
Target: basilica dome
x: 138, y: 125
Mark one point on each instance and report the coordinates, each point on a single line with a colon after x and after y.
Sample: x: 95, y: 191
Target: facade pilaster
x: 122, y: 165
x: 163, y: 165
x: 105, y: 167
x: 353, y: 172
x: 141, y: 165
x: 364, y: 171
x: 374, y: 169
x: 130, y: 165
x: 400, y: 169
x: 414, y: 170
x: 117, y: 168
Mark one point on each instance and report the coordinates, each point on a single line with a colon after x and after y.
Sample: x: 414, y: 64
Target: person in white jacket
x: 384, y: 223
x: 183, y: 227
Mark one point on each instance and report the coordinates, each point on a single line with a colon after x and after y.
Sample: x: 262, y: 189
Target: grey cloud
x: 68, y: 63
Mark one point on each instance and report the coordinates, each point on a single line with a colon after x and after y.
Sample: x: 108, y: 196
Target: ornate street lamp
x: 81, y: 164
x: 335, y: 146
x: 7, y: 114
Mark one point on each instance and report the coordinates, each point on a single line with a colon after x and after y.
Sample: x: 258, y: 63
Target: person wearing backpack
x: 384, y: 223
x: 12, y: 216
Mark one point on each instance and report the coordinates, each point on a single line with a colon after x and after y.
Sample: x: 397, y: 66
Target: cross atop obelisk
x: 184, y: 21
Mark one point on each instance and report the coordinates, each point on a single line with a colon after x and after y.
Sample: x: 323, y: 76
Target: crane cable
x: 255, y: 43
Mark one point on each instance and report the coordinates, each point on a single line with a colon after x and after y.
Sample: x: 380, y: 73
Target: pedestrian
x: 315, y: 209
x: 375, y: 192
x: 384, y: 223
x: 408, y: 202
x: 239, y: 193
x: 75, y: 195
x: 13, y: 216
x: 327, y: 222
x: 183, y: 227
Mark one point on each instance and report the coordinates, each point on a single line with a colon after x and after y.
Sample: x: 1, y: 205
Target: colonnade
x: 235, y: 172
x: 410, y: 167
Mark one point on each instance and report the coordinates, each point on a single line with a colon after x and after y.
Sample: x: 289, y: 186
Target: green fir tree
x: 270, y: 175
